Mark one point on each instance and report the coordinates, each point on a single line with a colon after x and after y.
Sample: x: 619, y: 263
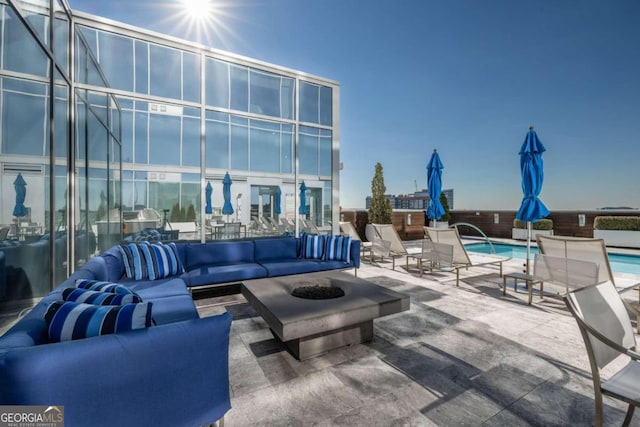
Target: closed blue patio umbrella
x: 208, y: 209
x: 531, y: 167
x: 227, y: 208
x: 435, y: 210
x: 20, y: 186
x: 277, y: 210
x: 302, y: 210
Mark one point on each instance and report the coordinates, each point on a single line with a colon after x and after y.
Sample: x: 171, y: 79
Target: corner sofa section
x: 173, y: 373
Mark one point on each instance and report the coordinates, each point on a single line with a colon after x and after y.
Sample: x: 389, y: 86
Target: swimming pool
x: 620, y: 263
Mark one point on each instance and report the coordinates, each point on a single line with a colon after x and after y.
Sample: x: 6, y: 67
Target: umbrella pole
x: 528, y: 244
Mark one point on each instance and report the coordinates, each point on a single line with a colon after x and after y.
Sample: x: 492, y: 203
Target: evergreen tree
x: 191, y: 213
x: 175, y: 213
x: 445, y: 205
x: 380, y: 210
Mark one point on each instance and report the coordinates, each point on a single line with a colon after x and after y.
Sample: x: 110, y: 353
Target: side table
x: 528, y: 279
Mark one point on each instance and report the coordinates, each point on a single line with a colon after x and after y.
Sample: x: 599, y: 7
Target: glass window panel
x: 164, y: 140
x: 239, y: 147
x: 325, y: 156
x: 190, y: 142
x: 140, y: 138
x: 91, y: 37
x: 125, y: 103
x: 127, y: 136
x: 214, y: 115
x: 309, y: 94
x: 287, y: 98
x: 191, y: 77
x: 139, y: 195
x: 193, y: 112
x: 265, y: 150
x: 265, y: 94
x: 20, y: 51
x: 239, y: 88
x: 217, y: 148
x: 23, y: 123
x: 127, y: 174
x: 81, y: 113
x: 217, y: 83
x: 191, y: 177
x: 61, y: 45
x: 163, y: 195
x: 164, y: 72
x: 116, y: 60
x: 127, y: 195
x: 286, y: 153
x: 308, y: 151
x: 98, y: 103
x: 326, y: 107
x: 60, y: 128
x: 97, y: 139
x: 190, y: 196
x: 142, y: 67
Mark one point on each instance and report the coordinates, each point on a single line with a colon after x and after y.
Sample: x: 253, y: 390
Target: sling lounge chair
x: 462, y: 259
x: 607, y: 332
x: 397, y: 249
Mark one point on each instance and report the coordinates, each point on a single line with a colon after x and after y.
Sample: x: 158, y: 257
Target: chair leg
x: 627, y: 418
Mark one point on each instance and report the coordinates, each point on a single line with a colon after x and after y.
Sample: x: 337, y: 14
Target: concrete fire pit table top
x: 309, y: 327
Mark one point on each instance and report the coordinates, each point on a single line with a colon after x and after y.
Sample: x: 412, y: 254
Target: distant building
x: 417, y: 200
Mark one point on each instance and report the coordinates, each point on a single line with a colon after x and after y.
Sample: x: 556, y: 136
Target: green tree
x: 176, y: 215
x: 445, y: 205
x: 380, y: 209
x: 191, y: 213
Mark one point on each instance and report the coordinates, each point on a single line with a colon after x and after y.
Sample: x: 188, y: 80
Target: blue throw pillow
x: 161, y: 260
x: 97, y: 285
x: 338, y: 247
x: 313, y: 246
x: 134, y: 260
x: 71, y: 320
x: 99, y: 298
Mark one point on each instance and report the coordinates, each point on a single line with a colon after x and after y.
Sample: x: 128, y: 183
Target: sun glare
x: 197, y: 9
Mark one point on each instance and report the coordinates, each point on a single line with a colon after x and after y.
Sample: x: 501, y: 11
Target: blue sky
x: 467, y: 77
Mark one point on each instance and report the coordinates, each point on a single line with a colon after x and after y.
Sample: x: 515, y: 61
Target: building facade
x: 417, y: 200
x: 103, y: 120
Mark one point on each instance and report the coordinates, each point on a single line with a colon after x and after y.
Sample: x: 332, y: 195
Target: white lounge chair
x: 433, y: 254
x: 397, y: 249
x: 605, y: 328
x: 585, y: 249
x: 462, y: 259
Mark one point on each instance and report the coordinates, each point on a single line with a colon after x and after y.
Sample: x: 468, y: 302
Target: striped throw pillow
x: 161, y: 260
x: 338, y: 247
x: 313, y: 246
x: 99, y: 298
x: 69, y: 320
x: 134, y: 260
x: 99, y: 286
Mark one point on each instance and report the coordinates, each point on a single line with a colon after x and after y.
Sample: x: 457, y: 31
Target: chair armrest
x: 173, y: 374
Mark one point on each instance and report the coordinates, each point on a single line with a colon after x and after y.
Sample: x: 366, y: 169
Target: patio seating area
x: 462, y: 355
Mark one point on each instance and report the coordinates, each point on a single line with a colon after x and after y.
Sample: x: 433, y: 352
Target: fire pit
x: 318, y: 291
x: 309, y: 327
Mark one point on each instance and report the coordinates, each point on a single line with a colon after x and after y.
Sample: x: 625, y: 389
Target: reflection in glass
x: 164, y: 140
x: 164, y: 71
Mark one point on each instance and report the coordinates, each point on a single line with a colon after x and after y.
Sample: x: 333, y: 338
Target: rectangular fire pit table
x: 310, y: 327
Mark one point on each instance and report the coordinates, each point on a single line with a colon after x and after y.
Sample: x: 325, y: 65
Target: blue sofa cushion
x: 277, y: 248
x: 134, y: 260
x: 295, y: 266
x: 218, y: 253
x: 99, y: 298
x: 161, y: 260
x: 313, y: 246
x: 71, y: 320
x: 206, y: 275
x: 100, y: 286
x: 338, y: 247
x: 152, y: 289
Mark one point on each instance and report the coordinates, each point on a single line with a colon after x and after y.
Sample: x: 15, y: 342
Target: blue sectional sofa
x: 174, y: 373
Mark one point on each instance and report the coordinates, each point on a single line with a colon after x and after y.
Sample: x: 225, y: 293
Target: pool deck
x: 460, y: 356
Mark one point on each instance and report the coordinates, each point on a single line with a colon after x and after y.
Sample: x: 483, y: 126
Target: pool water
x: 620, y: 263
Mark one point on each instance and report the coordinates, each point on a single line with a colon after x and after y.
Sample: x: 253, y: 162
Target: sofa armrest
x: 173, y: 374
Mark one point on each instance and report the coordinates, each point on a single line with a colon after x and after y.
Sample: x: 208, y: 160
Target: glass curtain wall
x: 46, y: 213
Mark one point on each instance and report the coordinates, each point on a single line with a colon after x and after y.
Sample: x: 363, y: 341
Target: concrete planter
x: 521, y: 233
x: 622, y: 238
